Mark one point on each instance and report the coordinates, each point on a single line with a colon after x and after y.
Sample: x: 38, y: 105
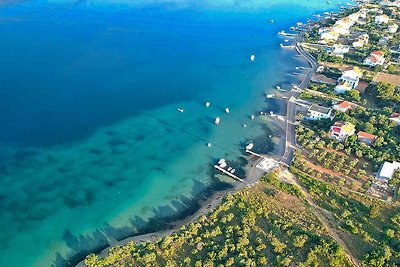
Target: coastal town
x: 349, y: 127
x: 332, y: 197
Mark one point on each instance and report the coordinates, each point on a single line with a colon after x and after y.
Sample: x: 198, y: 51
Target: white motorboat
x: 208, y: 104
x: 252, y: 57
x: 217, y: 120
x: 249, y: 146
x: 227, y: 110
x: 181, y: 110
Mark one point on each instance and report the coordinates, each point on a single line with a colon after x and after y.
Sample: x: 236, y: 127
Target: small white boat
x: 286, y: 40
x: 297, y: 68
x: 181, y: 110
x: 278, y: 87
x: 244, y: 125
x: 208, y: 104
x: 223, y: 164
x: 272, y: 21
x: 209, y: 145
x: 252, y: 117
x: 229, y: 169
x: 270, y: 136
x: 221, y: 161
x: 227, y: 110
x: 217, y: 120
x: 270, y: 95
x: 252, y: 57
x: 271, y: 113
x: 233, y: 171
x: 249, y: 146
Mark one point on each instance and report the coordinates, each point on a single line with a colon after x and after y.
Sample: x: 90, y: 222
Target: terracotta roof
x: 365, y: 135
x: 378, y: 53
x: 395, y: 116
x: 343, y: 104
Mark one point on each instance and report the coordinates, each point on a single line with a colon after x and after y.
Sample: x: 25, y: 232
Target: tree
x: 300, y: 240
x: 353, y: 95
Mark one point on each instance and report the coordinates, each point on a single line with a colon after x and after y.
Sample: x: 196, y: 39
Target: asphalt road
x: 287, y: 157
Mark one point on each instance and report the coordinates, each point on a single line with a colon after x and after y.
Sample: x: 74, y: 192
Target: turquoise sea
x: 92, y: 147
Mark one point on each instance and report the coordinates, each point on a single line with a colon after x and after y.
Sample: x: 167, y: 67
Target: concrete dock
x: 228, y: 173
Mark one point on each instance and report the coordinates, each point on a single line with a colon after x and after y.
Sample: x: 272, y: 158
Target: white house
x: 316, y: 112
x: 395, y: 117
x: 341, y: 130
x: 342, y: 88
x: 351, y: 76
x: 354, y: 17
x: 395, y: 3
x: 387, y: 170
x: 339, y: 50
x: 363, y: 13
x: 361, y: 40
x: 393, y: 28
x: 382, y: 19
x: 384, y: 40
x: 375, y: 58
x: 343, y: 29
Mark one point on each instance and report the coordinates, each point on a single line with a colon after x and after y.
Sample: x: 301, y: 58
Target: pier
x: 228, y: 173
x: 287, y: 46
x: 253, y: 153
x: 282, y: 33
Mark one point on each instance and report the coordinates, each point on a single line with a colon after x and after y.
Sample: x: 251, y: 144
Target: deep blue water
x: 90, y: 137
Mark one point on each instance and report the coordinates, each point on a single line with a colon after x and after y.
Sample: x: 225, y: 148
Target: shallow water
x: 92, y: 146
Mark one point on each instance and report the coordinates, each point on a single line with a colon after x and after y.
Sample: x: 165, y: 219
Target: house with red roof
x: 341, y: 130
x: 375, y: 58
x: 366, y: 138
x: 395, y: 117
x: 342, y: 106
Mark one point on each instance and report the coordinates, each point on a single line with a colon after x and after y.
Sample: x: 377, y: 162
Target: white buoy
x: 252, y: 57
x: 227, y: 110
x: 208, y: 104
x: 217, y: 120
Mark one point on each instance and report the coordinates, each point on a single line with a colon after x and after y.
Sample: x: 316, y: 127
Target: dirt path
x: 324, y: 216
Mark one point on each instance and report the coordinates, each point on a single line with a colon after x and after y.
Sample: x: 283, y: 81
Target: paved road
x: 291, y: 106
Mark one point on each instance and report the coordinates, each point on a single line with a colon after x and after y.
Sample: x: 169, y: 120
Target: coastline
x: 280, y: 139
